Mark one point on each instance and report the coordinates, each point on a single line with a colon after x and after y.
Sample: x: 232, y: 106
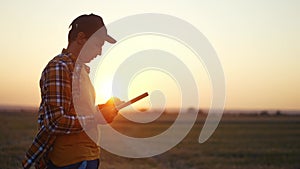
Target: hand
x: 113, y: 101
x: 109, y: 112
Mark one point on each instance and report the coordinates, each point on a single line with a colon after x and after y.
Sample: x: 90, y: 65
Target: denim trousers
x: 92, y: 164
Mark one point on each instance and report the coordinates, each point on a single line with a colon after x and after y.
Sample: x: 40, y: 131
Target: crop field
x: 240, y: 142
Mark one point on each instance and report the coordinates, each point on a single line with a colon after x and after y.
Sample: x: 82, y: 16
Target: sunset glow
x: 256, y: 42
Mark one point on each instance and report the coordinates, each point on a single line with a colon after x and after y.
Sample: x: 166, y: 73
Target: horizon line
x: 7, y: 107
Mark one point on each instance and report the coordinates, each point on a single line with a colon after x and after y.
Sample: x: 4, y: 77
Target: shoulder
x: 60, y: 68
x: 60, y: 62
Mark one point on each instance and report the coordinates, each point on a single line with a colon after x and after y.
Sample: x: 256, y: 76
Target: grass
x: 240, y: 142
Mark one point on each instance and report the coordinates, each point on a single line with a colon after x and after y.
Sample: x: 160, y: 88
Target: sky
x: 257, y: 43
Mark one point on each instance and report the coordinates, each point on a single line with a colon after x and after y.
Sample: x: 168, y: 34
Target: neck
x: 74, y: 48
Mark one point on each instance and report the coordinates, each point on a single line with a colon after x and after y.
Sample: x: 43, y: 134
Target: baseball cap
x: 89, y: 24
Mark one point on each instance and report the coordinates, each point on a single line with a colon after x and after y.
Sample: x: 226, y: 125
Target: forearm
x: 63, y: 122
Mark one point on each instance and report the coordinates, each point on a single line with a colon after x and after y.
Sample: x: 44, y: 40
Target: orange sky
x: 257, y: 43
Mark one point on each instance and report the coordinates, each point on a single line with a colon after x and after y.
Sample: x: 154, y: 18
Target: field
x: 240, y: 142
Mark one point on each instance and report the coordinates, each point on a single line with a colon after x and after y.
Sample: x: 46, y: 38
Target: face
x: 91, y: 49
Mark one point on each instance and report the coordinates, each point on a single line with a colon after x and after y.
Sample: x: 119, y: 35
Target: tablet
x: 132, y: 101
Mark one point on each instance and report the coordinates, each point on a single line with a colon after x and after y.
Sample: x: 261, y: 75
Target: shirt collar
x: 69, y: 54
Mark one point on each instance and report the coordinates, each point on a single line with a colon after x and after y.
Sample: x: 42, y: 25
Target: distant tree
x: 200, y: 112
x: 278, y: 113
x: 264, y: 113
x: 191, y: 110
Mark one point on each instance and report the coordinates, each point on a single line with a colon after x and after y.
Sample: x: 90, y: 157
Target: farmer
x: 61, y: 141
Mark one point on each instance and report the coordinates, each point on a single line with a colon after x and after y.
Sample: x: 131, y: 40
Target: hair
x: 88, y: 24
x: 72, y: 34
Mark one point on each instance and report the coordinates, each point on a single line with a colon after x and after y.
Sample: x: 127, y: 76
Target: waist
x: 73, y: 148
x: 82, y: 164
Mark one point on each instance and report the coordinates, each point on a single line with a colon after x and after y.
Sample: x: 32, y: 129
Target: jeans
x: 92, y: 164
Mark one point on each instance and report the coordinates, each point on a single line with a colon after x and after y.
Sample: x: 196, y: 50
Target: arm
x: 60, y: 116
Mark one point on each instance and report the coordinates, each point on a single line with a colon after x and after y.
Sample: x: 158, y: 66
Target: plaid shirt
x: 56, y: 112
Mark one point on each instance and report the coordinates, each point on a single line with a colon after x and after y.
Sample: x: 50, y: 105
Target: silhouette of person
x: 66, y: 90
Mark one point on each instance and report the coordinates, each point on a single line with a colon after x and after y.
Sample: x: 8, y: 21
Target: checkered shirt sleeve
x: 56, y: 113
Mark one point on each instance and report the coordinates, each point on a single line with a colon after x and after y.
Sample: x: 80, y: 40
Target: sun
x: 103, y: 91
